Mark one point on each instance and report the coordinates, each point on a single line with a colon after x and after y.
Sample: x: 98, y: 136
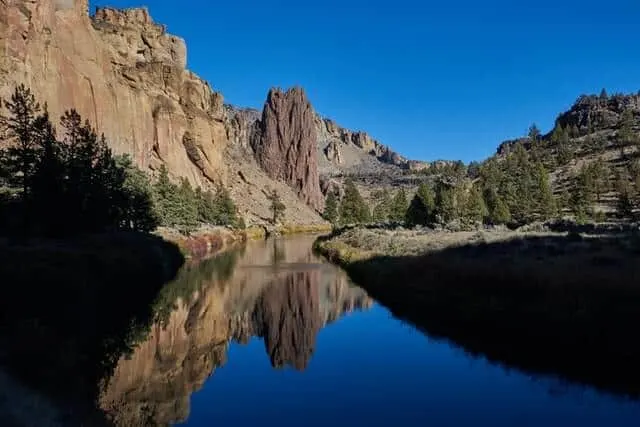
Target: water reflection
x: 276, y: 290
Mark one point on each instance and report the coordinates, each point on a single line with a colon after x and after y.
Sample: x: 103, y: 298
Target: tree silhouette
x: 422, y: 206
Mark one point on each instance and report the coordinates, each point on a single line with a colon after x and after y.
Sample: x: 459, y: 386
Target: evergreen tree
x: 445, y: 204
x: 277, y: 207
x: 422, y: 207
x: 382, y: 210
x: 604, y: 96
x: 399, y: 206
x: 625, y: 202
x: 353, y: 209
x: 69, y: 186
x: 23, y: 128
x: 167, y: 199
x: 226, y: 210
x: 545, y: 202
x: 331, y: 208
x: 475, y: 208
x: 137, y: 210
x: 626, y: 135
x: 582, y: 197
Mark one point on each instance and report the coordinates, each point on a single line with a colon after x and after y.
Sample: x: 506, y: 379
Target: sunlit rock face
x: 276, y: 290
x: 124, y: 73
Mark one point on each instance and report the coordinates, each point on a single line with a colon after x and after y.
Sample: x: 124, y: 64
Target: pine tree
x: 582, y: 197
x: 331, y: 208
x: 21, y: 127
x: 227, y: 210
x: 353, y: 209
x: 545, y: 202
x: 399, y: 206
x: 625, y: 202
x: 604, y: 96
x: 277, y: 207
x: 626, y: 135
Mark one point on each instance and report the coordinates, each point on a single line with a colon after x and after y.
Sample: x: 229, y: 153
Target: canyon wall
x: 121, y: 71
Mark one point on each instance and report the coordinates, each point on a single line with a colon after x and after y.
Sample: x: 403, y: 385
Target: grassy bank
x: 560, y: 304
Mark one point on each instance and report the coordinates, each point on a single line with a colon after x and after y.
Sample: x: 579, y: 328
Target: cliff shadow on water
x: 565, y: 306
x: 70, y: 308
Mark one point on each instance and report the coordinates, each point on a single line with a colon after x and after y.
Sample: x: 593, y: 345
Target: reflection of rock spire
x: 287, y: 315
x: 218, y: 301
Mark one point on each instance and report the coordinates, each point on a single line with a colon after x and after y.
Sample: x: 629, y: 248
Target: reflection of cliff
x: 285, y: 300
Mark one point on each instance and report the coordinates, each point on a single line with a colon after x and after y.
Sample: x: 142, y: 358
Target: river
x: 272, y: 335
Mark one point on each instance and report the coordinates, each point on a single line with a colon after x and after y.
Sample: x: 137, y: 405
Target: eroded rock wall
x: 121, y: 71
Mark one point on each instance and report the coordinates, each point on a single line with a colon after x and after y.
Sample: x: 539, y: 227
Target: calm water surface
x: 271, y: 335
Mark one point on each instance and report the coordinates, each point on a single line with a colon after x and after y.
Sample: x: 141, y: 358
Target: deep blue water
x: 368, y: 368
x: 371, y: 369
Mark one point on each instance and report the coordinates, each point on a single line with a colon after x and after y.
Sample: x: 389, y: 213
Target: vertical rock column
x: 286, y: 144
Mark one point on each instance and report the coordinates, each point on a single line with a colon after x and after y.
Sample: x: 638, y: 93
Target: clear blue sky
x: 447, y: 79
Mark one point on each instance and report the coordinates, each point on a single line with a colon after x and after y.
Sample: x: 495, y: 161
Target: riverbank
x: 563, y: 304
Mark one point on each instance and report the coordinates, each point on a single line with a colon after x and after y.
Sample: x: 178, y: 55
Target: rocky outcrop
x: 286, y: 144
x: 121, y: 71
x: 592, y: 113
x: 242, y: 125
x: 332, y: 151
x: 334, y: 136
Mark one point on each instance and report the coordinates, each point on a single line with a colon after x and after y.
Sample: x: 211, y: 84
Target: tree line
x: 514, y: 189
x: 72, y: 183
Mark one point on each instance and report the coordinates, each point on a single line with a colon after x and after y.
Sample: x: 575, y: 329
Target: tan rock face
x: 121, y: 71
x: 286, y: 144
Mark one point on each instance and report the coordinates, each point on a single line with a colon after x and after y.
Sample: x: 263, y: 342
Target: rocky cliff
x: 127, y: 75
x: 286, y: 143
x: 124, y: 73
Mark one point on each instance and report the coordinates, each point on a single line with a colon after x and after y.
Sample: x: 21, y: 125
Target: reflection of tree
x: 279, y: 253
x: 192, y: 277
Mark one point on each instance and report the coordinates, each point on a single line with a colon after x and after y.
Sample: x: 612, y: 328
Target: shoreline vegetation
x: 548, y: 302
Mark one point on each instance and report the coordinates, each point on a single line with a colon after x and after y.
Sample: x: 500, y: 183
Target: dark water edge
x: 71, y: 308
x: 539, y: 306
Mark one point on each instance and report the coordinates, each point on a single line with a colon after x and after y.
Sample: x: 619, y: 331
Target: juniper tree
x: 383, y: 207
x: 331, y: 208
x: 353, y: 209
x: 422, y: 206
x: 399, y: 206
x: 276, y: 206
